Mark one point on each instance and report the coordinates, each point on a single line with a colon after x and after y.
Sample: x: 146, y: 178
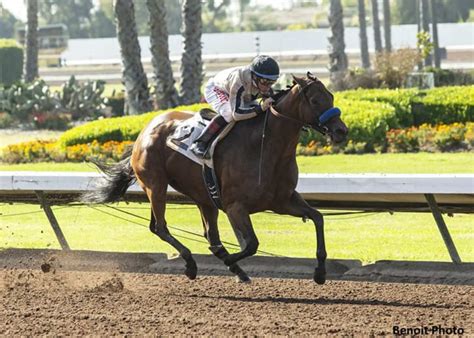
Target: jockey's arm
x: 245, y: 110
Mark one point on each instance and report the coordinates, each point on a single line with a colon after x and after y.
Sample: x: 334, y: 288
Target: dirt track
x: 106, y: 303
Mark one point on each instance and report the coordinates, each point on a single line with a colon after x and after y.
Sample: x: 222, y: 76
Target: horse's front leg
x: 297, y: 206
x: 242, y: 225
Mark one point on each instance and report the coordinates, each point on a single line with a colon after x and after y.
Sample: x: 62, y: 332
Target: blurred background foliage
x: 90, y: 19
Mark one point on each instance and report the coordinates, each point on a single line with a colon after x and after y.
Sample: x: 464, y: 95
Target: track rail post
x: 443, y: 229
x: 52, y: 220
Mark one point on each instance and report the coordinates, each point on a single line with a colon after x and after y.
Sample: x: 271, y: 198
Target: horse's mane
x: 279, y: 94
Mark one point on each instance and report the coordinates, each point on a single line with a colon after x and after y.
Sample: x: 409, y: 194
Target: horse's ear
x: 299, y: 81
x: 311, y: 76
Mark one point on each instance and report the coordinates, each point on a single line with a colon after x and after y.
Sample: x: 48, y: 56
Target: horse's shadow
x: 324, y: 301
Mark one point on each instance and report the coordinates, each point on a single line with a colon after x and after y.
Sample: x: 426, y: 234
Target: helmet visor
x: 266, y: 76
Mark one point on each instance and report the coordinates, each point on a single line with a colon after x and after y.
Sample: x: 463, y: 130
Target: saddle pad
x: 189, y: 130
x: 185, y: 134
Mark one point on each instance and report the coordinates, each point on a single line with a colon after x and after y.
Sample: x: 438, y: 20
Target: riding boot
x: 201, y: 144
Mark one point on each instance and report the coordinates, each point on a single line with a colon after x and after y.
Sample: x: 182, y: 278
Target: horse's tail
x: 118, y: 178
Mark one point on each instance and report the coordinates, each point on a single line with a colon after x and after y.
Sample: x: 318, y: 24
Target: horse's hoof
x: 319, y: 276
x: 243, y: 279
x: 191, y: 271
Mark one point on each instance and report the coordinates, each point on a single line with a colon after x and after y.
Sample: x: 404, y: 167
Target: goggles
x: 266, y: 82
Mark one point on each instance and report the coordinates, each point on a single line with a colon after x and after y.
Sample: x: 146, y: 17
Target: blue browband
x: 329, y: 114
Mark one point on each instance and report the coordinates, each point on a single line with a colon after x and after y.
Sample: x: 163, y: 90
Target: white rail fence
x: 436, y: 194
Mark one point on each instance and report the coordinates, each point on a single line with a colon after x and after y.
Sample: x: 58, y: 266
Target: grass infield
x: 417, y: 163
x: 368, y: 237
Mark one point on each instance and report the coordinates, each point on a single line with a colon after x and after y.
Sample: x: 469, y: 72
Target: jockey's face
x: 263, y: 85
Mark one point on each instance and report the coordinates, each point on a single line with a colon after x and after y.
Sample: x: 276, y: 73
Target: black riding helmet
x: 264, y: 66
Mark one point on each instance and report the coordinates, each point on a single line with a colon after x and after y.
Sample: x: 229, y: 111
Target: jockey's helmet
x: 265, y: 67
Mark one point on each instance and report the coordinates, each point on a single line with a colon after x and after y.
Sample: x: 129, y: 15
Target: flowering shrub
x: 46, y: 151
x: 453, y: 137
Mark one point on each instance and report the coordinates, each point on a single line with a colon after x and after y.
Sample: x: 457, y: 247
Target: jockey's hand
x: 266, y: 103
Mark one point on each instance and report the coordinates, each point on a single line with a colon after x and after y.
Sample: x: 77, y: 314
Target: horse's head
x: 315, y: 107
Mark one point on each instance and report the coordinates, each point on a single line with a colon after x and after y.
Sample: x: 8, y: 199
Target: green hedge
x: 124, y: 128
x: 11, y: 62
x: 369, y: 114
x: 416, y: 107
x: 368, y: 122
x: 400, y: 99
x: 444, y: 105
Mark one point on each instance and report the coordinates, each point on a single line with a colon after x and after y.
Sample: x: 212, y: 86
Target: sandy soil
x: 58, y: 302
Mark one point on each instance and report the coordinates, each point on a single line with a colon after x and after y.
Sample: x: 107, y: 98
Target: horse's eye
x: 314, y: 102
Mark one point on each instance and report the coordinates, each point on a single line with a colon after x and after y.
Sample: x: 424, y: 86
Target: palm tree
x: 425, y: 22
x: 337, y: 55
x: 387, y: 25
x: 31, y: 42
x: 191, y: 61
x: 376, y: 26
x: 434, y: 24
x: 364, y: 47
x: 134, y: 78
x: 166, y: 93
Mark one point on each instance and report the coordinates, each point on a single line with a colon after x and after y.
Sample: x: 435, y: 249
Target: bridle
x: 320, y: 124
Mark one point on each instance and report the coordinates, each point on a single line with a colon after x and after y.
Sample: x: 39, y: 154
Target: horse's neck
x: 284, y: 132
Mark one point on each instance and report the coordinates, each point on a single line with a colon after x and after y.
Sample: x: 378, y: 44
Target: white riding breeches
x: 218, y: 99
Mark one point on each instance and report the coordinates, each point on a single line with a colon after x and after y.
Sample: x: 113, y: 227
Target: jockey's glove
x: 266, y: 103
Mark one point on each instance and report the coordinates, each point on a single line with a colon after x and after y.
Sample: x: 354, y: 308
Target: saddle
x: 183, y: 137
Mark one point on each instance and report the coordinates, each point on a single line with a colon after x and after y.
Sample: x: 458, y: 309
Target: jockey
x: 233, y: 92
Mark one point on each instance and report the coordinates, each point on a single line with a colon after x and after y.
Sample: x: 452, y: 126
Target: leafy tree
x: 166, y: 93
x: 134, y: 77
x: 434, y: 24
x: 7, y: 23
x: 191, y: 60
x: 337, y: 55
x: 101, y: 25
x: 376, y: 26
x: 31, y: 41
x: 175, y: 19
x: 448, y: 11
x: 214, y: 12
x: 75, y: 14
x: 364, y: 47
x: 425, y: 23
x: 387, y: 25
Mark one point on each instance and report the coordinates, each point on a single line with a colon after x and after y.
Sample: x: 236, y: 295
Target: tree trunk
x: 425, y: 20
x: 166, y: 93
x: 31, y: 42
x: 376, y: 26
x: 134, y: 78
x: 434, y: 23
x: 364, y: 46
x: 337, y: 55
x: 387, y: 25
x: 191, y: 61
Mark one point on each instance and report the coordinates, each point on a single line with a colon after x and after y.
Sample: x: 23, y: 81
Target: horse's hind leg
x: 209, y: 220
x: 157, y: 197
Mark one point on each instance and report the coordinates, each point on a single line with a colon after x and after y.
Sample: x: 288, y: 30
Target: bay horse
x: 249, y: 184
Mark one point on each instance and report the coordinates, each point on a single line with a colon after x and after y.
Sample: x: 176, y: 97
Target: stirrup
x: 199, y: 149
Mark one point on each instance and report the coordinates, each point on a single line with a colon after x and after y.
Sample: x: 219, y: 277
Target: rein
x: 322, y: 119
x: 293, y: 120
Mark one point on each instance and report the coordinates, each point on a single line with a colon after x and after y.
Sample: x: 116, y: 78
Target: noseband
x: 320, y: 124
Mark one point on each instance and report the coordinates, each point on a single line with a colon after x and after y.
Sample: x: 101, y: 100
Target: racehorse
x: 252, y: 177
